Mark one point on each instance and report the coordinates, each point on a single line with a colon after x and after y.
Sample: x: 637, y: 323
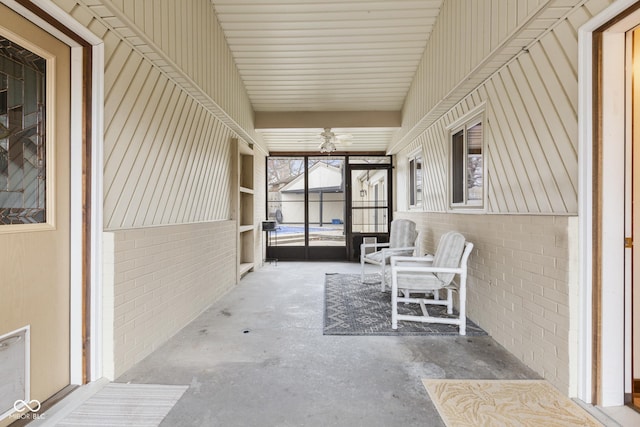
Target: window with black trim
x: 415, y: 181
x: 467, y: 164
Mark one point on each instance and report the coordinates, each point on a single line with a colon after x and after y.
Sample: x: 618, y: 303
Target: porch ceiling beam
x: 323, y: 119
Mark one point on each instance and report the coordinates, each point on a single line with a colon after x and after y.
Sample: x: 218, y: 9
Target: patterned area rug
x: 531, y: 403
x: 141, y: 405
x: 355, y: 308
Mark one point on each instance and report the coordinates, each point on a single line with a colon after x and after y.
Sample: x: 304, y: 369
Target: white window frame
x: 415, y: 202
x: 464, y: 124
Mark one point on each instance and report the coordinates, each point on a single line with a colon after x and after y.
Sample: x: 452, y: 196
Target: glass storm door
x: 306, y: 199
x: 369, y: 202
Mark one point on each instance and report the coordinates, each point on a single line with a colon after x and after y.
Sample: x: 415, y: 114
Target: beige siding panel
x: 159, y: 145
x: 129, y: 167
x: 151, y: 148
x: 456, y: 60
x: 184, y: 40
x: 159, y: 157
x: 531, y: 129
x: 435, y: 170
x: 507, y: 147
x: 552, y: 137
x: 543, y: 185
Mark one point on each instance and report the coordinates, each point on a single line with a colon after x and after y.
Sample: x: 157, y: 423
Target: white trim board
x: 612, y: 346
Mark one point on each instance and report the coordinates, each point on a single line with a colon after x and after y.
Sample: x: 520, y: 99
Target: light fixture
x: 363, y: 193
x: 327, y: 146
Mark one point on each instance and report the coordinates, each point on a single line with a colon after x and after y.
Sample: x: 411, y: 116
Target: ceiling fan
x: 330, y: 139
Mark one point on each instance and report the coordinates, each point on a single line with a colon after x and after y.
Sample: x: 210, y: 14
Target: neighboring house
x: 326, y: 193
x: 143, y: 223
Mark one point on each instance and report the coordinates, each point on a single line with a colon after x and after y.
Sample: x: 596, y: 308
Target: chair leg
x: 394, y: 307
x: 361, y: 269
x: 449, y: 301
x: 382, y: 281
x: 463, y: 306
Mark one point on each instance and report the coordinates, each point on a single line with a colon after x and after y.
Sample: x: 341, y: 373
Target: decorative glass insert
x: 22, y: 135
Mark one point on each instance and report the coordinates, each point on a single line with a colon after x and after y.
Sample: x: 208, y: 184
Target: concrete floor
x: 257, y: 357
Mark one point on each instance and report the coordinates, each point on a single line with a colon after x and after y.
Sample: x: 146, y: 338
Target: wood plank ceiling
x: 327, y: 56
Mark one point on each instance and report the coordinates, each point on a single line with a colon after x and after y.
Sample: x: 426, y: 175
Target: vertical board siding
x: 531, y: 130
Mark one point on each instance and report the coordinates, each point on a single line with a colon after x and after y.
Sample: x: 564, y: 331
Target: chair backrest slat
x: 448, y: 254
x: 403, y: 233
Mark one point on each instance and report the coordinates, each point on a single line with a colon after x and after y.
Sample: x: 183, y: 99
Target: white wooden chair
x: 402, y: 237
x: 429, y: 275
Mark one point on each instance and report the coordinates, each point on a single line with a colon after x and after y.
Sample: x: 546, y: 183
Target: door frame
x: 353, y: 248
x: 599, y: 377
x: 328, y: 253
x: 87, y: 95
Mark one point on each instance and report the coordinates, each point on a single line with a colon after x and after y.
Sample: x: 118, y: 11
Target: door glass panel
x: 22, y: 141
x: 285, y: 181
x: 369, y: 204
x: 326, y: 201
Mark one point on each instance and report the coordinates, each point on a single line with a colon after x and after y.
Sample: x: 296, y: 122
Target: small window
x: 467, y: 165
x: 415, y: 181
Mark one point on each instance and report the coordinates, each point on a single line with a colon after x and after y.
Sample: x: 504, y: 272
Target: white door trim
x: 612, y: 348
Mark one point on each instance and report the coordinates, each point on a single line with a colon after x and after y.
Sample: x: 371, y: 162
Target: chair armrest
x: 408, y: 248
x: 425, y: 269
x: 373, y: 245
x: 416, y: 259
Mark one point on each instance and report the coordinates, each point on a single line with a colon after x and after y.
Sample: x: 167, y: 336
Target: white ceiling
x: 327, y: 55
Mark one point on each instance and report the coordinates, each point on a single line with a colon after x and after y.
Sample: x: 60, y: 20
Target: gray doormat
x: 139, y: 405
x: 355, y: 308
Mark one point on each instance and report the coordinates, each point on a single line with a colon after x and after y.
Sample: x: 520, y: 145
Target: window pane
x: 457, y: 167
x: 412, y: 182
x: 418, y: 179
x: 474, y: 163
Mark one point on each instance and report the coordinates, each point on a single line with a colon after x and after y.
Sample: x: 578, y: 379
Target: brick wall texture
x: 518, y: 285
x: 164, y: 277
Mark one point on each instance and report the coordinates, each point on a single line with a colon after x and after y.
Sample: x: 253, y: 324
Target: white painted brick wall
x: 518, y: 287
x: 163, y: 278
